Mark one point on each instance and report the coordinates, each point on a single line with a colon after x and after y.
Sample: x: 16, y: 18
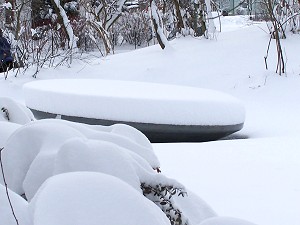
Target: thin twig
x: 6, y: 188
x: 266, y: 56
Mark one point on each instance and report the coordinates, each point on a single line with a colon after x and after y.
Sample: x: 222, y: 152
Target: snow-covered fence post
x: 157, y: 25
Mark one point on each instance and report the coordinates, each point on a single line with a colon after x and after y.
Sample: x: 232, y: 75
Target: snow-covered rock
x: 20, y: 207
x: 89, y: 198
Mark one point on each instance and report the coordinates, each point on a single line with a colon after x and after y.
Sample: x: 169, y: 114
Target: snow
x: 253, y: 175
x: 225, y: 221
x: 86, y: 198
x: 6, y: 5
x: 157, y: 25
x: 72, y: 38
x: 169, y: 104
x: 262, y: 173
x: 46, y: 137
x: 20, y: 207
x: 6, y: 130
x: 14, y: 112
x: 211, y: 25
x: 194, y: 208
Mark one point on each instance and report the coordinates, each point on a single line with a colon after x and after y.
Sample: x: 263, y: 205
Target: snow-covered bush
x: 83, y: 198
x: 6, y: 130
x: 20, y: 208
x: 47, y: 136
x: 44, y: 149
x: 134, y: 28
x: 80, y: 154
x: 81, y: 174
x: 284, y: 16
x: 14, y: 112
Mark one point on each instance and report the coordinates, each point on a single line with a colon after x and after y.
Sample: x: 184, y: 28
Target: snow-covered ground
x: 256, y: 175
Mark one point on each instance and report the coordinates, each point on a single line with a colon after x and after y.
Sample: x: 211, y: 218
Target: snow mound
x: 80, y: 154
x: 137, y: 101
x: 6, y: 129
x: 15, y: 112
x: 225, y: 221
x: 47, y: 136
x: 124, y: 135
x: 87, y: 198
x: 20, y: 207
x: 24, y: 145
x: 193, y: 207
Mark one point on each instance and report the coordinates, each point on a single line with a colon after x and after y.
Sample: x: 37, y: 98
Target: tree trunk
x: 180, y: 24
x: 63, y: 19
x: 156, y: 20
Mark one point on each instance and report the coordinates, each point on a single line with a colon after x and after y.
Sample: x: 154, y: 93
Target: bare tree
x: 284, y: 16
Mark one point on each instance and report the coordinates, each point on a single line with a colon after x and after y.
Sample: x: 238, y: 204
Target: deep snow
x: 255, y: 179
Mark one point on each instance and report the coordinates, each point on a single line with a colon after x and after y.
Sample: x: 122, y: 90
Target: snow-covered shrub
x: 284, y: 16
x: 161, y: 195
x: 14, y: 112
x: 43, y: 150
x: 80, y: 154
x: 193, y: 207
x: 91, y: 198
x: 6, y: 130
x: 48, y: 136
x: 135, y: 28
x: 20, y: 207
